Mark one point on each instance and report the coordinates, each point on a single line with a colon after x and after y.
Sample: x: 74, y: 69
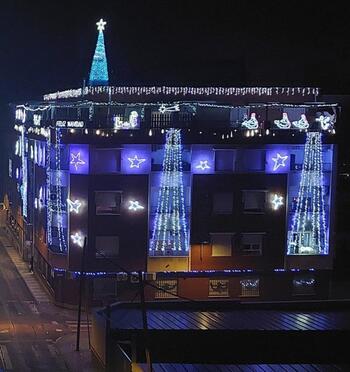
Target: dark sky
x: 46, y: 46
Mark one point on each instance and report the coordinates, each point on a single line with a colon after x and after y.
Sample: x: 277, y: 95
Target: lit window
x: 218, y: 288
x: 108, y: 202
x: 223, y: 203
x: 221, y: 245
x: 249, y: 287
x: 251, y: 244
x: 254, y: 201
x: 167, y: 289
x: 107, y: 246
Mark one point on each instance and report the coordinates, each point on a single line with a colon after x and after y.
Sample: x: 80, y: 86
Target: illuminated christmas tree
x: 170, y: 235
x: 99, y: 71
x: 308, y: 233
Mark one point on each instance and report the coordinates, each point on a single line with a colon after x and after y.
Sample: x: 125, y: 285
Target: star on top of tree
x: 101, y: 25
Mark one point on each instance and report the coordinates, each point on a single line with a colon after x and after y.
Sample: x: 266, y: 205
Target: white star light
x: 77, y: 239
x: 277, y: 201
x: 74, y: 205
x: 101, y: 25
x: 135, y: 162
x: 280, y: 161
x: 203, y: 164
x: 135, y: 205
x: 76, y: 160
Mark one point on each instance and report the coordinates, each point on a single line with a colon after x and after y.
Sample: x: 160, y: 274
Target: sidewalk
x: 66, y: 344
x: 36, y: 289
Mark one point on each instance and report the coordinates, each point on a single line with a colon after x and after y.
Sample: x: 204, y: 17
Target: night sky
x: 48, y: 46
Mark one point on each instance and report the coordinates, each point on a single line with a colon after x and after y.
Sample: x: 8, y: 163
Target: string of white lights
x: 48, y: 185
x: 59, y: 209
x: 184, y: 91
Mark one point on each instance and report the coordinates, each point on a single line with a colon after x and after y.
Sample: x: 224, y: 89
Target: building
x: 215, y: 192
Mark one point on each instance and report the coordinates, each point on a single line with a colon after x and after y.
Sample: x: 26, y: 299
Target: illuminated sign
x: 70, y: 124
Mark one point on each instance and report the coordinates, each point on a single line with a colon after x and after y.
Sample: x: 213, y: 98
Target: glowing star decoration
x: 163, y: 109
x: 284, y: 123
x: 203, y: 164
x: 302, y: 123
x: 135, y: 162
x: 252, y: 123
x: 76, y: 161
x: 74, y: 205
x: 135, y: 205
x: 77, y: 239
x: 101, y: 25
x: 277, y: 201
x: 280, y: 161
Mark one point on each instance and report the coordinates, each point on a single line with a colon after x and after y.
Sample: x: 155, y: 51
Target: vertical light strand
x: 170, y: 228
x: 24, y: 187
x: 59, y: 211
x: 310, y: 204
x: 48, y: 185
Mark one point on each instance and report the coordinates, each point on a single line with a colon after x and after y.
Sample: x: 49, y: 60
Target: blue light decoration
x: 135, y: 159
x: 202, y: 161
x: 277, y: 161
x: 308, y: 232
x: 79, y: 159
x: 99, y: 70
x: 170, y: 231
x: 48, y: 188
x: 60, y: 207
x: 24, y: 186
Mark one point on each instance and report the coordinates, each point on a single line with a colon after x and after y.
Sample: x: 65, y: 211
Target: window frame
x: 242, y: 250
x: 249, y: 292
x: 252, y: 211
x: 109, y: 191
x: 231, y: 234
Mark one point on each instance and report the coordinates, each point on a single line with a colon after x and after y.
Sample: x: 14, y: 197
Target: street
x: 36, y: 336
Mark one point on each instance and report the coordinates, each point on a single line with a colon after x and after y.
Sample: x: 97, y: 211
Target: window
x: 252, y: 244
x: 218, y: 288
x: 107, y: 246
x: 223, y: 203
x: 249, y: 287
x: 224, y: 160
x: 253, y: 160
x: 221, y: 245
x: 108, y: 202
x: 304, y: 285
x: 254, y: 201
x: 105, y: 160
x: 167, y: 289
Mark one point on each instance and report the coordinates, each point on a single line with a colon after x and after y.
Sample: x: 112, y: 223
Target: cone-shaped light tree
x: 99, y: 70
x: 170, y: 234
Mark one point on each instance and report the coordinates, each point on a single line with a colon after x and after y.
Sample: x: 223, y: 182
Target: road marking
x: 5, y: 358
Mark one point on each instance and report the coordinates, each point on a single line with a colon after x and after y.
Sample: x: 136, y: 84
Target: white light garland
x: 170, y: 226
x: 182, y: 91
x: 308, y: 233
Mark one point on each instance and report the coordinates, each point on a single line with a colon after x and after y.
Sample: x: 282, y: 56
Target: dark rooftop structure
x: 224, y: 333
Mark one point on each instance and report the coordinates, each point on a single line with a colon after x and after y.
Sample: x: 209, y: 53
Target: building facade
x: 214, y: 190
